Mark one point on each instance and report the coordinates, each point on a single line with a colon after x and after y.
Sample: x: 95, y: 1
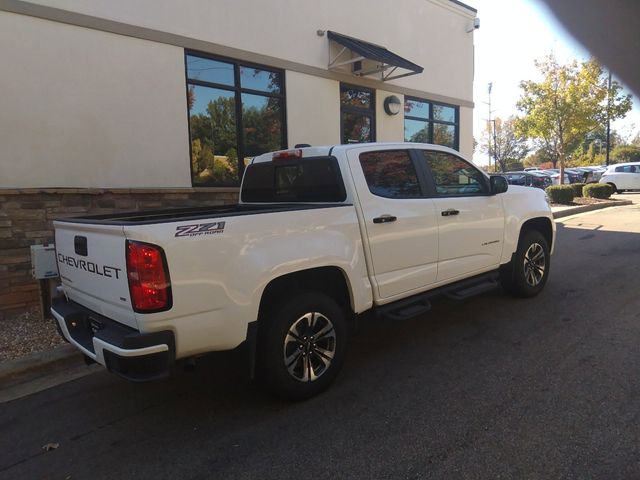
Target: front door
x: 400, y: 223
x: 470, y: 220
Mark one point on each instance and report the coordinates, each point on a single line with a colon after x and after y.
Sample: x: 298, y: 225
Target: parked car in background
x: 528, y: 179
x: 623, y: 176
x: 575, y: 175
x: 554, y: 174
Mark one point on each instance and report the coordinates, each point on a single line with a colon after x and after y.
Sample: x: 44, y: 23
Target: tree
x: 626, y: 153
x: 569, y: 102
x: 507, y: 145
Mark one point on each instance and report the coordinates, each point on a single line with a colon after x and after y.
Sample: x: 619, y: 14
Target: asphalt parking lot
x: 490, y: 388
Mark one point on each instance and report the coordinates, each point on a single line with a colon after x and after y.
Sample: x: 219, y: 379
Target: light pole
x: 608, y: 116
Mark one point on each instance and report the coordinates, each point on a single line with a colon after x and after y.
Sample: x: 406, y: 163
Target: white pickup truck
x: 321, y: 235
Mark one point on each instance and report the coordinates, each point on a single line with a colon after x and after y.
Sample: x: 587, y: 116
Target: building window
x: 236, y: 112
x: 357, y: 114
x: 430, y: 122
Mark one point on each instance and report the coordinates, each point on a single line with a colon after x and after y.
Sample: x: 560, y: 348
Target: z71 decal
x: 199, y: 229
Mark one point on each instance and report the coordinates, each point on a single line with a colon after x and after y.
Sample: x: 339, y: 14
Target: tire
x: 527, y: 274
x: 292, y: 364
x: 615, y: 189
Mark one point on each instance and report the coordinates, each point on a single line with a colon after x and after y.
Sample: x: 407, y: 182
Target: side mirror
x: 499, y: 184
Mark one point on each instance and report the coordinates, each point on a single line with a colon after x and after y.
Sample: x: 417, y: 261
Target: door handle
x: 385, y: 219
x: 450, y: 212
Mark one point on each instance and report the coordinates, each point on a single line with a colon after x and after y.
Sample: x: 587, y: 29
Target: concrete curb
x: 588, y: 208
x: 12, y: 370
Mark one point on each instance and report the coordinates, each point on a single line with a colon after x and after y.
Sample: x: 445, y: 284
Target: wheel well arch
x: 542, y: 225
x: 613, y: 185
x: 329, y: 280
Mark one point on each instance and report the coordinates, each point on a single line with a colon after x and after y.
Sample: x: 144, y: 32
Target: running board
x: 405, y: 309
x: 421, y: 303
x: 472, y: 290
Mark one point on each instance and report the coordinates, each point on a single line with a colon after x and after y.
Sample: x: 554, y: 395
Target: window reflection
x: 429, y: 122
x: 223, y: 139
x: 263, y: 80
x: 212, y: 125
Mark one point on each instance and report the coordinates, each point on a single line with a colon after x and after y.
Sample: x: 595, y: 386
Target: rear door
x: 470, y: 220
x: 92, y: 266
x: 399, y: 221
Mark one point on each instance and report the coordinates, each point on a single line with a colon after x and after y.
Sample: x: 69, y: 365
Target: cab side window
x: 454, y: 176
x: 390, y: 174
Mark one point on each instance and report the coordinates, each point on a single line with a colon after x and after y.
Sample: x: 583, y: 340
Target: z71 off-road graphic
x: 199, y: 229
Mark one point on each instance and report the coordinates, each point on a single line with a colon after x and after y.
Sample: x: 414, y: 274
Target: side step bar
x: 418, y: 304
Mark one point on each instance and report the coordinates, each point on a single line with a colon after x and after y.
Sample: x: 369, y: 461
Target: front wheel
x: 302, y: 343
x: 527, y: 274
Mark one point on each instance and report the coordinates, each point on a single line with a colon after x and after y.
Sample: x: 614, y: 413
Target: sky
x: 512, y: 34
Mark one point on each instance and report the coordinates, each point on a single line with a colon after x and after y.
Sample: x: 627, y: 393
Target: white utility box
x: 43, y: 261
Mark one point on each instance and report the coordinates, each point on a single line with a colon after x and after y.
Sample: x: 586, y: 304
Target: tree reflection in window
x: 429, y: 122
x: 235, y: 113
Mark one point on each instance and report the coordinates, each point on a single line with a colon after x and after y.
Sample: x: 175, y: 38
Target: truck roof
x: 329, y: 149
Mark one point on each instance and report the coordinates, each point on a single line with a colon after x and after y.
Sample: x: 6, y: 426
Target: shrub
x: 560, y: 194
x: 597, y: 190
x: 577, y: 189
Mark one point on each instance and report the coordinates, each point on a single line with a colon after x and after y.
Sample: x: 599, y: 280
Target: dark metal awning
x: 368, y: 58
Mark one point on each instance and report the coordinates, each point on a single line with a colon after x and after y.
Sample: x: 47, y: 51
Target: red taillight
x: 287, y: 154
x: 149, y: 282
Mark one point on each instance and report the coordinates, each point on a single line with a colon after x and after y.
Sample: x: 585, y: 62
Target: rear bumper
x: 122, y: 350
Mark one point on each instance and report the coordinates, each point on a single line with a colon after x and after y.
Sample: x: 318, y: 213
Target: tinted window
x: 212, y: 126
x: 627, y: 169
x: 263, y: 80
x: 357, y: 115
x: 356, y: 128
x: 390, y: 174
x: 444, y: 113
x: 261, y: 124
x: 454, y: 176
x: 355, y: 97
x: 207, y: 70
x: 306, y: 180
x: 429, y: 122
x: 223, y: 143
x: 416, y: 131
x: 416, y: 108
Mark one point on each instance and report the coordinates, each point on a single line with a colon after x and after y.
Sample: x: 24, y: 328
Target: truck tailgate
x: 92, y: 265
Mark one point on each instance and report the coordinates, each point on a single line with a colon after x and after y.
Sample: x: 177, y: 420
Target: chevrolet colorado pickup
x: 320, y: 235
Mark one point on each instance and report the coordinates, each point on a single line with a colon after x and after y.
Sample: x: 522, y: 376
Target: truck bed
x: 147, y: 217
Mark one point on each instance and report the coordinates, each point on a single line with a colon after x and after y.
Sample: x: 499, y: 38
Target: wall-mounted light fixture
x: 392, y: 105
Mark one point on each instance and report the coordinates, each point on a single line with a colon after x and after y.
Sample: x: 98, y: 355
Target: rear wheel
x: 302, y: 343
x: 615, y: 189
x: 527, y: 274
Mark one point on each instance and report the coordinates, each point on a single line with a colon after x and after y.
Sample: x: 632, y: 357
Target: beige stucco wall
x: 389, y: 128
x: 431, y: 33
x: 313, y: 109
x: 80, y: 107
x: 466, y: 132
x: 84, y: 107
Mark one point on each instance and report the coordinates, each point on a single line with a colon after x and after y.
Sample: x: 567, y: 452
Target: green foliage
x: 504, y: 144
x: 577, y: 189
x: 569, y: 102
x: 562, y: 194
x: 626, y: 153
x: 597, y: 190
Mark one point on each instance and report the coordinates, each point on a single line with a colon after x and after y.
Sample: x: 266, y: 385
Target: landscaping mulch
x: 577, y: 201
x: 27, y: 333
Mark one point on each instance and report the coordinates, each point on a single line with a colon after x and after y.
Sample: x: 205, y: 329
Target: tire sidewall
x: 273, y: 331
x: 522, y: 288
